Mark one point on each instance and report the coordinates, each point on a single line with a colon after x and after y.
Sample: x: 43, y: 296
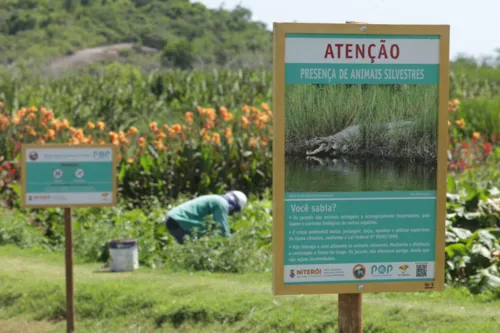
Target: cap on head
x: 237, y: 199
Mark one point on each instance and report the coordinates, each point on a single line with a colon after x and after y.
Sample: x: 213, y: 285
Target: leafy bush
x: 248, y: 250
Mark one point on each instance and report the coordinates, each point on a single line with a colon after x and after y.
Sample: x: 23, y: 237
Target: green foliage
x: 249, y: 249
x: 473, y: 231
x: 123, y: 95
x: 35, y: 32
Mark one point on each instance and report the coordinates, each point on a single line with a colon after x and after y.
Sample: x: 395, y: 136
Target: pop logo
x: 101, y: 154
x: 381, y: 269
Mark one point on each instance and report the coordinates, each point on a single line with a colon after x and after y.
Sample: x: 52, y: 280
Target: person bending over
x: 182, y: 219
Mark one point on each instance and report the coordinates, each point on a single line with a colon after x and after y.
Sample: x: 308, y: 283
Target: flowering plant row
x: 209, y: 150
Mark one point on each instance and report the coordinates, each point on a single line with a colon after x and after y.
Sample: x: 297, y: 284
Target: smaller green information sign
x: 65, y: 176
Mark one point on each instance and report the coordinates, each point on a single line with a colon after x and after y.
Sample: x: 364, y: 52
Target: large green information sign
x: 359, y: 157
x: 68, y: 176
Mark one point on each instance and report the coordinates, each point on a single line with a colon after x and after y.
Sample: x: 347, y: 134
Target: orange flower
x: 228, y: 132
x: 74, y: 141
x: 158, y: 144
x: 31, y: 116
x: 244, y: 121
x: 130, y: 160
x: 449, y: 123
x: 476, y: 135
x: 265, y: 107
x: 230, y: 140
x: 245, y: 109
x: 142, y: 142
x: 206, y: 137
x: 113, y: 136
x: 40, y: 141
x: 209, y: 113
x: 4, y: 122
x: 46, y: 116
x: 209, y: 124
x: 132, y: 131
x: 189, y: 117
x: 56, y: 123
x: 216, y: 138
x: 90, y: 125
x: 16, y: 119
x: 101, y: 142
x: 253, y: 142
x: 177, y: 128
x: 33, y: 109
x: 21, y: 112
x: 153, y: 126
x: 101, y: 125
x: 79, y: 134
x: 160, y: 135
x: 30, y: 130
x: 226, y: 115
x: 460, y: 123
x: 64, y: 123
x: 264, y: 117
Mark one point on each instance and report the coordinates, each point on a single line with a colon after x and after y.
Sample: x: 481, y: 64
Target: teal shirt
x: 191, y: 213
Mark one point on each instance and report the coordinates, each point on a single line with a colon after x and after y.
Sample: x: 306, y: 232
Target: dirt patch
x: 85, y: 57
x: 29, y: 326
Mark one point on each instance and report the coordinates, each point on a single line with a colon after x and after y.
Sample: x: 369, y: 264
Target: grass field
x: 312, y: 111
x: 32, y: 295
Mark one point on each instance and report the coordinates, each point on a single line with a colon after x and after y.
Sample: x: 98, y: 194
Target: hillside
x: 184, y: 34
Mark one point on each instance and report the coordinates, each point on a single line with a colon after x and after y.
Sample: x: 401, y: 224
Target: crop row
x: 123, y: 95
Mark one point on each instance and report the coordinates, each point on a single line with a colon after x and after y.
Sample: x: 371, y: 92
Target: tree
x: 179, y: 54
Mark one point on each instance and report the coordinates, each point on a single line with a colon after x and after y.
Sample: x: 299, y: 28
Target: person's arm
x: 221, y: 217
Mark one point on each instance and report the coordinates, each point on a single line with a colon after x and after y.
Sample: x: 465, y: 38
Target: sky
x: 473, y: 30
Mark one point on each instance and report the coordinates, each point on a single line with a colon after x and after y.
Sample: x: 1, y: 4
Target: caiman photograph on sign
x: 350, y: 126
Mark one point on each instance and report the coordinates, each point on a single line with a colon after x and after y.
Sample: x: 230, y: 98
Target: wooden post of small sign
x: 70, y: 289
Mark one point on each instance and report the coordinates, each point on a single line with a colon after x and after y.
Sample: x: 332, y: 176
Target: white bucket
x: 124, y: 255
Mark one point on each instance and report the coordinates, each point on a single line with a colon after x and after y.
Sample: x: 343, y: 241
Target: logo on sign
x: 359, y: 271
x: 292, y: 273
x: 79, y: 173
x: 101, y: 155
x: 382, y: 270
x: 403, y: 270
x: 33, y: 156
x: 57, y: 173
x: 105, y: 196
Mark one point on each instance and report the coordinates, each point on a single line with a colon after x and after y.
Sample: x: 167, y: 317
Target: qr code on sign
x: 421, y: 270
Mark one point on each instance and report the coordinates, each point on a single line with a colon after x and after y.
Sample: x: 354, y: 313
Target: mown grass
x: 32, y: 299
x: 313, y: 111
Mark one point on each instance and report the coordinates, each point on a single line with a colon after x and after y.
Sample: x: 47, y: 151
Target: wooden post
x: 350, y: 313
x: 70, y: 291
